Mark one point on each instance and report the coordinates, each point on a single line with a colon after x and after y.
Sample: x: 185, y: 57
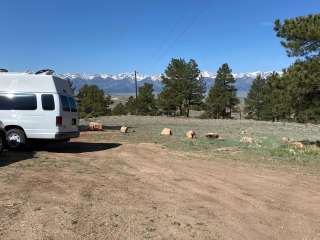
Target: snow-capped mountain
x: 119, y: 84
x: 123, y: 84
x: 207, y: 74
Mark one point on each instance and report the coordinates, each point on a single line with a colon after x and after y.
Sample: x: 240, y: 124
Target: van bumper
x: 67, y: 135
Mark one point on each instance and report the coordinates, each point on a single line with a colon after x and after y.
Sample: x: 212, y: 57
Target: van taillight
x: 58, y: 120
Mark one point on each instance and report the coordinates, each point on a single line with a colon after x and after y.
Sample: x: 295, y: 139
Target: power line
x: 136, y: 83
x: 181, y: 34
x: 166, y: 40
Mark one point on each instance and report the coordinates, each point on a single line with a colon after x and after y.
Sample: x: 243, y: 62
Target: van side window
x: 73, y: 105
x: 65, y: 103
x: 18, y: 101
x: 47, y: 102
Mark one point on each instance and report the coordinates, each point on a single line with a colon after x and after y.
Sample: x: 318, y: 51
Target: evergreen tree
x: 303, y: 83
x: 119, y: 109
x: 146, y: 103
x: 269, y: 99
x: 278, y: 98
x: 301, y: 35
x: 222, y: 98
x: 256, y: 103
x: 131, y: 106
x: 301, y: 38
x: 216, y: 102
x: 183, y: 85
x: 108, y: 102
x: 92, y: 101
x: 166, y: 101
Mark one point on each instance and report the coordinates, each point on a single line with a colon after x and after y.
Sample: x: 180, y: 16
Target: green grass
x: 268, y: 145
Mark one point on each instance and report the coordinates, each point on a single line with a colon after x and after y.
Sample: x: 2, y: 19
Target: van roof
x: 26, y: 82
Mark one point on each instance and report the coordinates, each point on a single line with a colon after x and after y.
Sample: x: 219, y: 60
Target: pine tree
x: 183, y: 83
x: 146, y: 103
x: 108, y: 102
x: 303, y: 83
x: 92, y: 101
x: 166, y: 102
x: 277, y: 90
x: 301, y: 35
x: 256, y: 102
x: 268, y: 99
x: 222, y: 98
x: 119, y: 109
x: 216, y: 102
x: 301, y: 38
x: 131, y: 106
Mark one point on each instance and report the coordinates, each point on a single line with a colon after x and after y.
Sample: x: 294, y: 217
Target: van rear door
x: 69, y: 114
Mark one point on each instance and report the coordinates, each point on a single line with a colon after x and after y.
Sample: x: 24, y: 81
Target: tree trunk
x: 188, y: 109
x: 180, y: 110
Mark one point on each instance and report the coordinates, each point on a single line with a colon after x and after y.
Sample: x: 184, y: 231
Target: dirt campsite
x: 107, y: 185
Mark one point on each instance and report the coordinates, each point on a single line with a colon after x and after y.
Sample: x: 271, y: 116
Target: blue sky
x: 125, y: 35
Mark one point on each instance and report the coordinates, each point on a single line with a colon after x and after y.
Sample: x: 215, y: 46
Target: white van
x: 37, y: 106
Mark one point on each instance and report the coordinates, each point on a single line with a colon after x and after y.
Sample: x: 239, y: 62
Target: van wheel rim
x: 14, y: 140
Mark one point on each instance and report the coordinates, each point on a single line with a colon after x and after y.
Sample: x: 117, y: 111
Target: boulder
x: 285, y: 139
x: 213, y: 135
x: 124, y: 129
x: 95, y: 126
x: 243, y: 132
x: 166, y: 132
x: 191, y: 134
x: 247, y: 140
x: 297, y: 145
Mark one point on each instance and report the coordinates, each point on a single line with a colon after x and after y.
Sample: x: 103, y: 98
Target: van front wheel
x: 15, y: 138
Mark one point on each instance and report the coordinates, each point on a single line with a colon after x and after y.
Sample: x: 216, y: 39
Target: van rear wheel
x: 16, y: 138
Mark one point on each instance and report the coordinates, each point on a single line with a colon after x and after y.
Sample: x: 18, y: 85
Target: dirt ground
x: 91, y: 189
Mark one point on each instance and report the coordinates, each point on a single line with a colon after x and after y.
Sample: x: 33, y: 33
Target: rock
x: 285, y: 139
x: 243, y: 132
x: 124, y: 129
x: 95, y: 126
x: 191, y: 134
x: 248, y: 140
x: 297, y: 145
x: 212, y: 135
x: 166, y: 132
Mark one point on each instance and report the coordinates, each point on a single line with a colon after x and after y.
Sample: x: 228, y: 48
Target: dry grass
x: 268, y: 145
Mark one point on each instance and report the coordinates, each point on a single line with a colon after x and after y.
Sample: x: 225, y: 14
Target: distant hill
x: 123, y: 84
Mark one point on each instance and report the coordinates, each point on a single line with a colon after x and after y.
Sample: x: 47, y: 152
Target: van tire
x: 16, y: 138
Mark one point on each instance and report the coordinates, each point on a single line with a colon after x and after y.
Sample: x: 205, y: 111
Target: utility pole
x: 136, y: 83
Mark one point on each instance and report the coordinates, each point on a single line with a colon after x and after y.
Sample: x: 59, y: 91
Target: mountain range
x: 123, y: 84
